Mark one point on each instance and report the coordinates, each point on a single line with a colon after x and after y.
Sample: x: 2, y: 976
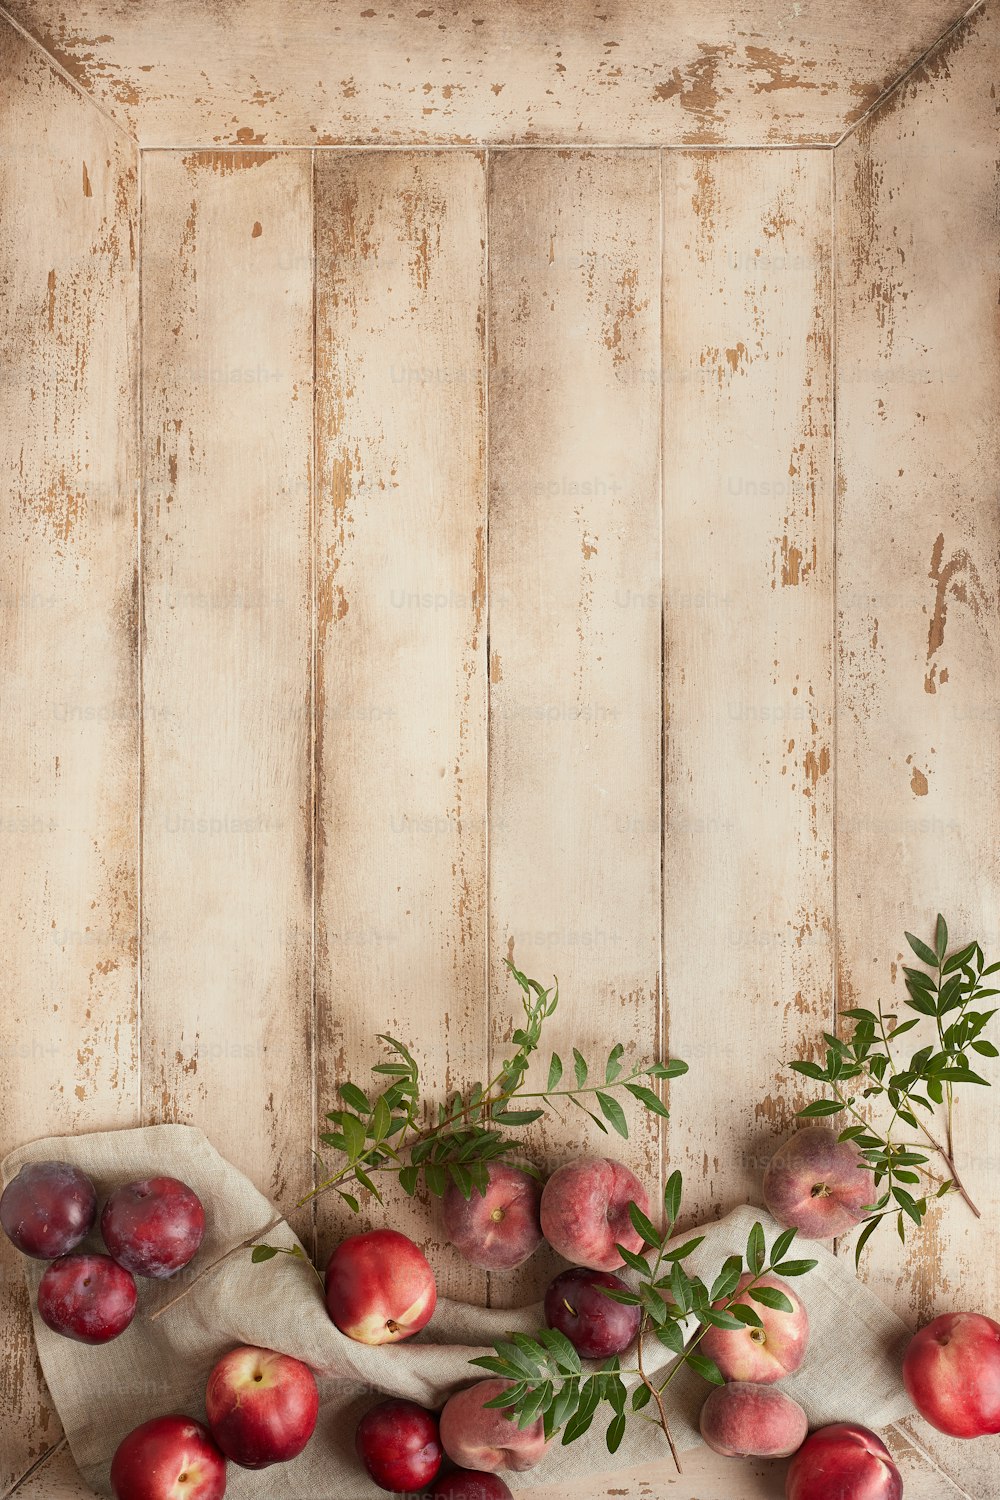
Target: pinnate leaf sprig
x: 386, y: 1131
x: 551, y: 1382
x: 902, y: 1112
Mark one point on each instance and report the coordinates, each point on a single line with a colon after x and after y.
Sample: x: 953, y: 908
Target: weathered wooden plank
x: 401, y: 631
x: 227, y: 790
x: 68, y: 700
x: 748, y: 572
x: 752, y: 72
x: 574, y: 573
x: 918, y: 598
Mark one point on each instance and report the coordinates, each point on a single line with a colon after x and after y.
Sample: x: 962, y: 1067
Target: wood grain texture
x: 401, y: 632
x: 575, y: 614
x: 227, y: 790
x: 68, y: 699
x: 748, y: 571
x: 337, y: 72
x: 918, y: 828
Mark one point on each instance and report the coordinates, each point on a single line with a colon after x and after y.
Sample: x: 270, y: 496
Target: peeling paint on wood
x: 575, y: 608
x: 748, y: 570
x: 227, y: 805
x: 918, y: 208
x: 68, y: 626
x: 637, y: 73
x: 401, y: 666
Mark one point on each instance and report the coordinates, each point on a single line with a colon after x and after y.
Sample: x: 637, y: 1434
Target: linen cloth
x: 851, y: 1371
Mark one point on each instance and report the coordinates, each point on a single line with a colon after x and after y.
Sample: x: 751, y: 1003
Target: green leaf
x: 706, y: 1368
x: 899, y: 1030
x: 354, y: 1137
x: 580, y: 1067
x: 675, y: 1068
x: 961, y: 958
x: 436, y: 1178
x: 641, y: 1397
x: 350, y: 1200
x: 261, y: 1253
x: 926, y: 955
x: 683, y: 1250
x: 613, y: 1113
x: 555, y: 1072
x: 614, y: 1063
x: 746, y: 1315
x: 355, y: 1098
x: 985, y: 1049
x: 719, y: 1319
x: 941, y: 938
x: 672, y: 1197
x: 782, y: 1244
x: 367, y: 1184
x: 615, y: 1432
x: 725, y: 1283
x: 515, y: 1117
x: 649, y: 1099
x: 381, y: 1119
x: 631, y: 1259
x: 863, y: 1238
x: 642, y: 1225
x: 769, y: 1296
x: 820, y: 1107
x: 809, y: 1070
x: 680, y: 1287
x: 670, y: 1336
x: 795, y: 1267
x: 755, y: 1250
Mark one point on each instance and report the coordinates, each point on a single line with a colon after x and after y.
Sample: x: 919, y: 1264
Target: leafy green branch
x: 379, y: 1133
x: 866, y: 1080
x: 549, y: 1380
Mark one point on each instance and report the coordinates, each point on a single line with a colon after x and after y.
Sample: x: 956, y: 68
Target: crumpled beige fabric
x: 851, y: 1371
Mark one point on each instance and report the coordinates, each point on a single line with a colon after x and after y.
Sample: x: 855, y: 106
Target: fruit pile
x: 262, y: 1407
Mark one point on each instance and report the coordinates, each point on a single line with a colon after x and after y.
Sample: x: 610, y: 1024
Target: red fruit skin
x: 761, y: 1356
x: 398, y: 1443
x: 843, y: 1462
x: 149, y: 1462
x: 584, y: 1211
x: 500, y: 1229
x: 261, y: 1406
x: 379, y: 1287
x: 469, y: 1484
x: 747, y: 1420
x: 951, y: 1370
x: 817, y: 1184
x: 477, y: 1436
x: 153, y: 1227
x: 87, y: 1297
x: 595, y: 1325
x: 48, y: 1209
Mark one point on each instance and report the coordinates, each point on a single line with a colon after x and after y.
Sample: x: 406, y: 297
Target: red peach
x: 766, y: 1354
x: 843, y: 1462
x: 748, y: 1420
x: 497, y: 1230
x: 169, y: 1458
x: 584, y: 1211
x: 952, y: 1371
x: 817, y: 1184
x: 379, y: 1287
x: 480, y: 1437
x: 261, y: 1406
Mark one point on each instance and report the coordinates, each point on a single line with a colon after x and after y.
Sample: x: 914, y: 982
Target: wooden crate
x: 505, y: 481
